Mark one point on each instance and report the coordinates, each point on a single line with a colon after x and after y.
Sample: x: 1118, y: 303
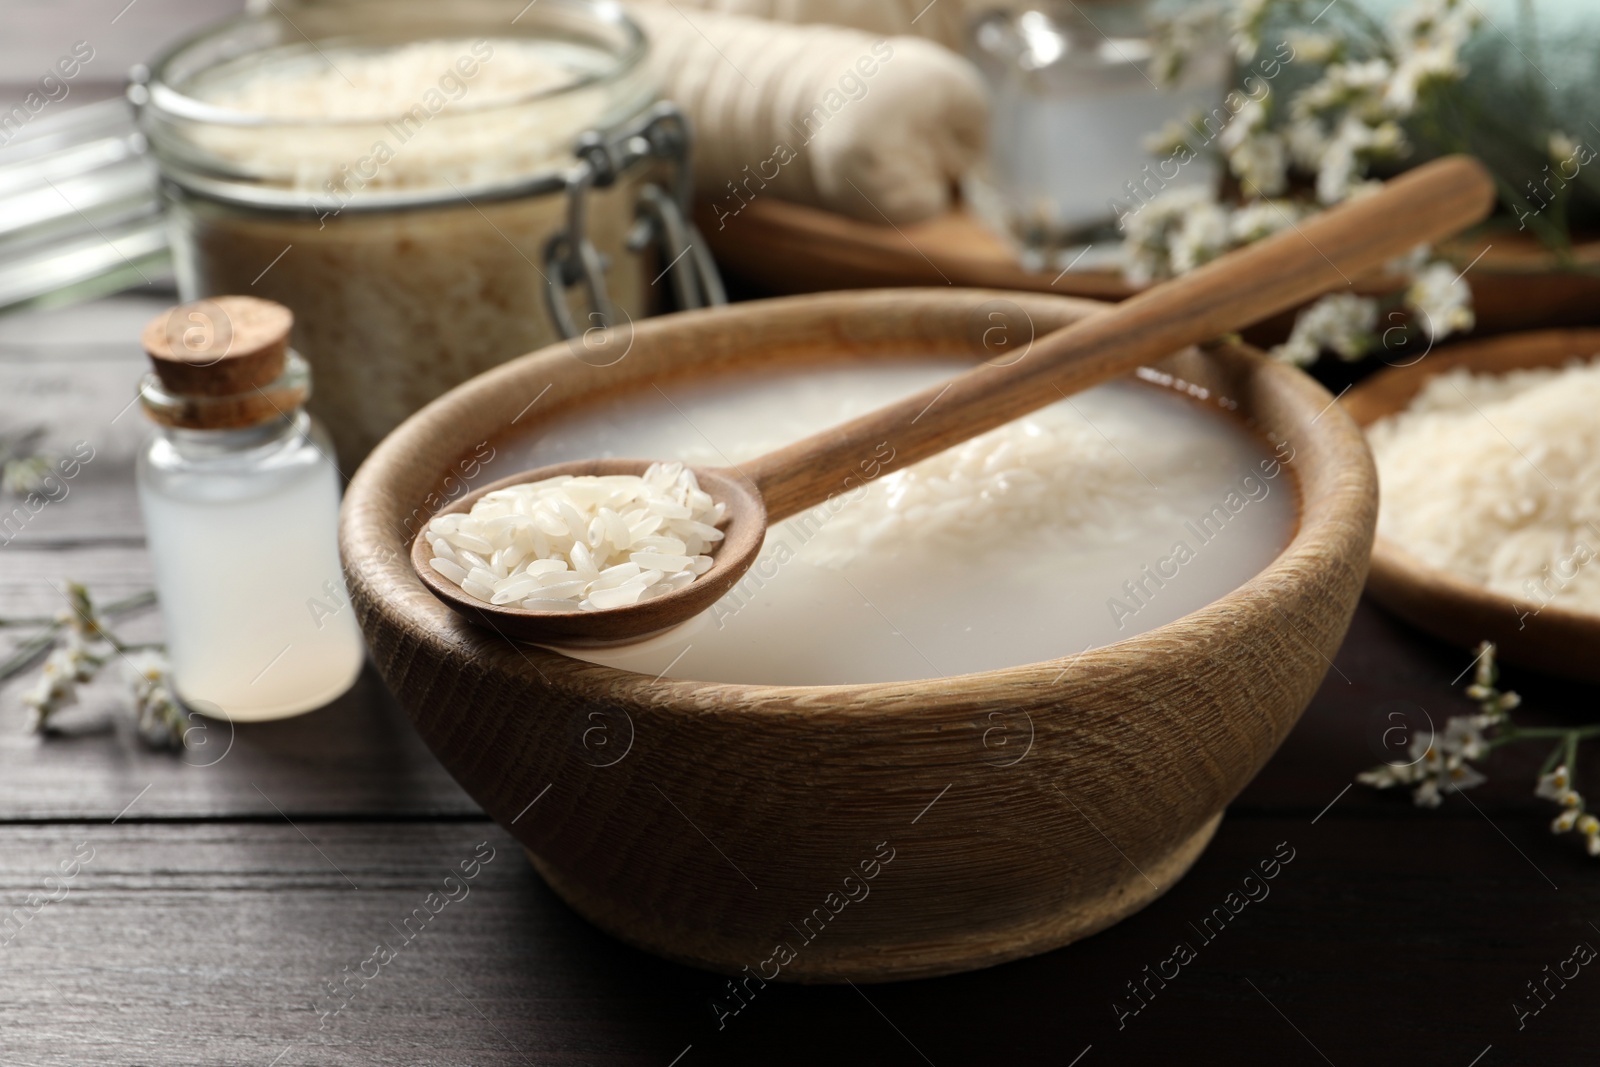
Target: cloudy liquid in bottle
x: 247, y: 569
x: 240, y: 497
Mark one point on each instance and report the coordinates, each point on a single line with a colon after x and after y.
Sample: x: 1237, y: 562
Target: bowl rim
x: 1336, y: 504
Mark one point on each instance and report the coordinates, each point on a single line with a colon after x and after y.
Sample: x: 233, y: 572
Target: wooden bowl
x: 721, y: 824
x: 1553, y: 638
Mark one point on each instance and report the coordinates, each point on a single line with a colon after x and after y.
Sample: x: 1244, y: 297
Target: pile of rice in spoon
x: 581, y: 543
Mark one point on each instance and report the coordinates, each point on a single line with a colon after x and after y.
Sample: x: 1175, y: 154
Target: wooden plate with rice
x: 1547, y: 636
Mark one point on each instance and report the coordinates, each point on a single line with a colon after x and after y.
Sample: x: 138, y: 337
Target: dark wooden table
x: 230, y: 885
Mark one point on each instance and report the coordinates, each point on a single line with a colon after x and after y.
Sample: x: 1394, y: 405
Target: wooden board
x: 790, y: 248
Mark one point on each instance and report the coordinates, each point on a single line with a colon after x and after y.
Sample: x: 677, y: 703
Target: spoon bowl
x: 743, y: 531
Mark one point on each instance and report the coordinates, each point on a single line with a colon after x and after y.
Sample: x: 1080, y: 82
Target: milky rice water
x: 1089, y: 521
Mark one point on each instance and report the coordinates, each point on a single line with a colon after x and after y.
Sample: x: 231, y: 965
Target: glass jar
x: 1077, y: 102
x: 420, y: 184
x: 241, y: 500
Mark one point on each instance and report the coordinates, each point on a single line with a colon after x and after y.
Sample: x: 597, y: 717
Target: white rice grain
x: 581, y: 543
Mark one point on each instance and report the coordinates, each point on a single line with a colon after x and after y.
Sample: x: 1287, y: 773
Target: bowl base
x: 945, y: 952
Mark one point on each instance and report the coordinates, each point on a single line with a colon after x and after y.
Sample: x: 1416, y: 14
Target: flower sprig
x: 1326, y: 138
x: 23, y: 468
x: 1442, y: 765
x: 75, y: 644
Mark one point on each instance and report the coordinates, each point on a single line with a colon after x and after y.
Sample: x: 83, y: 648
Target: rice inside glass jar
x: 398, y: 176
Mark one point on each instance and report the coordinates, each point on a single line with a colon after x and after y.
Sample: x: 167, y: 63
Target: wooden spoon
x: 1307, y: 259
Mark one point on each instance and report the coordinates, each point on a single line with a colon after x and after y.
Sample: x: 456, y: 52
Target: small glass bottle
x: 241, y: 500
x: 1076, y: 100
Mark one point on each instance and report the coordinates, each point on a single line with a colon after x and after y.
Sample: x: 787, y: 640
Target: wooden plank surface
x: 217, y: 904
x: 224, y: 894
x: 213, y: 944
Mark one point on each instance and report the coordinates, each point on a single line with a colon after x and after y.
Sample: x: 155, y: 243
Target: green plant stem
x: 32, y: 648
x: 1569, y: 738
x: 1518, y: 733
x: 130, y: 603
x: 27, y: 652
x: 1550, y: 760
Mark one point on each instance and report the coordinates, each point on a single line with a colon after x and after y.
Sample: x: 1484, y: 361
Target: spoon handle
x: 1304, y: 260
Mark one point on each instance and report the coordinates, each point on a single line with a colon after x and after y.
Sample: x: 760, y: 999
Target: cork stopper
x: 222, y: 363
x: 219, y: 347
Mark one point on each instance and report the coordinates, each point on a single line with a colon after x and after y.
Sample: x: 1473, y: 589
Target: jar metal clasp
x: 662, y: 219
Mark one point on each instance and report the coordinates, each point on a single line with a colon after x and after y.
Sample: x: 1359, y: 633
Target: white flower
x: 68, y: 666
x: 1257, y: 158
x: 1344, y: 156
x: 1386, y: 140
x: 1317, y: 48
x: 1435, y: 22
x: 1418, y: 71
x: 56, y: 688
x: 1249, y: 16
x: 1485, y: 674
x: 1443, y: 300
x: 1589, y: 827
x: 1387, y: 775
x: 1551, y: 786
x: 1169, y: 140
x: 1410, y: 264
x: 1557, y: 786
x: 1150, y: 232
x: 1436, y: 770
x: 1297, y: 352
x: 1463, y: 736
x: 1336, y: 170
x: 1561, y: 147
x: 1342, y: 322
x: 1366, y: 77
x: 1459, y: 775
x: 1307, y: 141
x: 1262, y: 218
x: 1427, y: 794
x: 1436, y: 775
x: 159, y: 718
x: 1248, y: 119
x: 1261, y: 163
x: 25, y: 474
x: 1345, y: 85
x: 1202, y: 237
x: 1427, y: 38
x: 1178, y: 35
